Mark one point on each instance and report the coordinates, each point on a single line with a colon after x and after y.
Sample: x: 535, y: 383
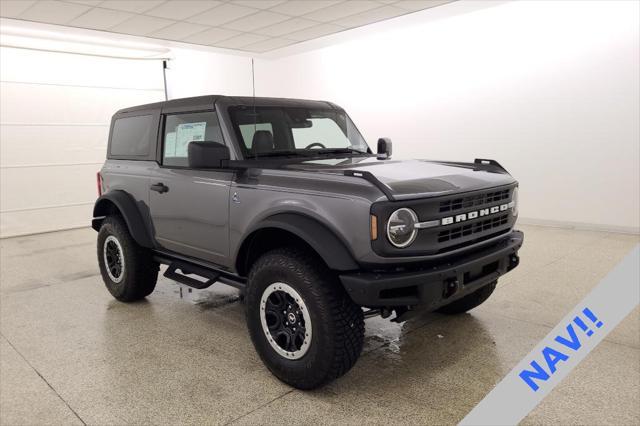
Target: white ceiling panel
x: 374, y: 15
x: 286, y: 27
x: 54, y: 12
x: 255, y: 21
x: 222, y: 14
x: 134, y: 6
x: 269, y: 44
x: 241, y: 41
x: 179, y: 10
x: 142, y: 25
x: 13, y: 8
x: 258, y: 4
x: 415, y: 5
x: 314, y: 32
x: 302, y: 7
x: 86, y: 2
x: 249, y: 25
x: 101, y: 19
x: 211, y: 37
x: 178, y: 31
x: 342, y: 10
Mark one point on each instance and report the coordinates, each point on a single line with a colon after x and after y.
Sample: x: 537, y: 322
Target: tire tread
x: 142, y: 269
x: 348, y: 318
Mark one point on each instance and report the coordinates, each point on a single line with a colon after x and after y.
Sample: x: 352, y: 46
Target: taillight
x: 100, y: 183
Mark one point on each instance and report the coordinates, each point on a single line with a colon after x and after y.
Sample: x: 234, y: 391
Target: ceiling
x: 249, y: 25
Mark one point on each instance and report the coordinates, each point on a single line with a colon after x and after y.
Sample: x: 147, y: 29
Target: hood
x: 415, y: 178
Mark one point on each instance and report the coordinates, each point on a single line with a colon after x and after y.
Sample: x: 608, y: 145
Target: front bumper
x: 435, y: 286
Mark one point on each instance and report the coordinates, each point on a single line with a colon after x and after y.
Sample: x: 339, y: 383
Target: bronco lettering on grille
x: 462, y: 217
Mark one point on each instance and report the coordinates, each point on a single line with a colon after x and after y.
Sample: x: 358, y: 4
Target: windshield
x: 280, y: 131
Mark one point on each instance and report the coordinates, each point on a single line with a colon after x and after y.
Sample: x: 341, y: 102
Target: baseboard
x: 580, y: 226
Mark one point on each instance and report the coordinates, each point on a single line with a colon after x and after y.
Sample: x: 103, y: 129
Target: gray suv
x: 285, y: 200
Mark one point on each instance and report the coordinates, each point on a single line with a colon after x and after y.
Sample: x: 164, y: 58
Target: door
x: 190, y: 208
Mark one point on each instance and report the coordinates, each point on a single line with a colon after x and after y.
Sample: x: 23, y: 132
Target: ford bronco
x: 285, y: 200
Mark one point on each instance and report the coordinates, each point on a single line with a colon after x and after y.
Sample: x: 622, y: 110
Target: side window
x: 131, y: 136
x: 181, y: 129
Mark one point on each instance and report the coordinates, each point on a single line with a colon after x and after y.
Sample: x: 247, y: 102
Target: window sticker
x: 170, y: 145
x: 188, y: 132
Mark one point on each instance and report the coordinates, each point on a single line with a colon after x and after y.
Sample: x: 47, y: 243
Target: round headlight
x: 401, y: 230
x: 514, y: 199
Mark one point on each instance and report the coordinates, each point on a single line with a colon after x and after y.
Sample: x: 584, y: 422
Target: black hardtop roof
x: 211, y: 100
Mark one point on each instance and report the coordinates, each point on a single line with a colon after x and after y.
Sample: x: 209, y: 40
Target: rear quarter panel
x: 131, y: 176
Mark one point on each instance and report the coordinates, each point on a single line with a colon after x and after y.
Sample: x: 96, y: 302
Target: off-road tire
x: 337, y: 323
x: 469, y: 301
x: 140, y: 271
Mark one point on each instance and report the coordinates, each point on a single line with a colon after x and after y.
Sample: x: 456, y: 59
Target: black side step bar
x: 187, y: 269
x: 190, y: 266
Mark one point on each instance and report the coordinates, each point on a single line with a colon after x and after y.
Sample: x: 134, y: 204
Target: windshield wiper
x: 286, y: 153
x: 273, y: 154
x: 305, y: 152
x: 339, y: 151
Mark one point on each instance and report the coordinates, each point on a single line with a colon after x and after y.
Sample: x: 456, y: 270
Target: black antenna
x: 253, y: 82
x: 164, y: 77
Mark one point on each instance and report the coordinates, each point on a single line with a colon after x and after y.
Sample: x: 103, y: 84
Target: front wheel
x: 302, y: 323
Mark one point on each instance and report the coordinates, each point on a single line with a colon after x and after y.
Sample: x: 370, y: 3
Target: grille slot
x: 473, y: 228
x: 474, y: 200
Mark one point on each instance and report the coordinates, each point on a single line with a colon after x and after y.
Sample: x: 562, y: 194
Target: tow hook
x: 514, y: 260
x: 451, y: 287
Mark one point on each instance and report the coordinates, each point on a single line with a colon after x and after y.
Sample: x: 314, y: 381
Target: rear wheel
x: 128, y: 270
x: 303, y: 325
x: 469, y: 301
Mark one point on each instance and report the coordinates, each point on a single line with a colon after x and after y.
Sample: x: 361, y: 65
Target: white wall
x: 55, y: 110
x: 549, y: 89
x: 196, y: 72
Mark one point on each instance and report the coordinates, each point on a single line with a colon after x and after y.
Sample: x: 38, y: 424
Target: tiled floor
x: 71, y: 354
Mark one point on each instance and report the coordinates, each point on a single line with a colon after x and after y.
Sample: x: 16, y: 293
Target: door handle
x: 159, y: 187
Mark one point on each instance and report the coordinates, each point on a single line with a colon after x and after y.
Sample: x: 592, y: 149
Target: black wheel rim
x: 285, y: 321
x: 113, y: 258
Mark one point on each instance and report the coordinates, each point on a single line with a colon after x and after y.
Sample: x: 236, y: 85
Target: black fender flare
x: 128, y: 209
x: 319, y: 237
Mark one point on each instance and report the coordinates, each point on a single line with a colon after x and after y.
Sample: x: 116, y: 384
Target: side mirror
x: 207, y: 155
x: 384, y: 148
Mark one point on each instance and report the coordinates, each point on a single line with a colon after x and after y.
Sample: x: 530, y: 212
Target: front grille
x: 474, y: 200
x: 469, y: 226
x: 472, y: 228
